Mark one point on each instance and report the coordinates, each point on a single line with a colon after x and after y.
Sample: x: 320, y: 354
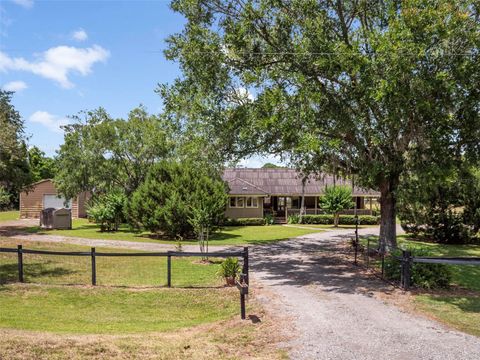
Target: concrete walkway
x: 333, y: 310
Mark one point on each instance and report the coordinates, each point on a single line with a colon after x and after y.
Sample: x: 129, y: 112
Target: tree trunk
x: 336, y: 217
x: 388, y: 214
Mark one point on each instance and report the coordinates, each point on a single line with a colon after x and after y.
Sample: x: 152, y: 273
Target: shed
x: 43, y: 194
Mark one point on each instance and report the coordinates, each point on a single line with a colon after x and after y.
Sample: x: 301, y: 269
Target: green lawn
x: 331, y: 227
x: 461, y: 312
x: 44, y: 305
x: 458, y: 310
x: 111, y: 271
x: 112, y: 310
x: 232, y: 235
x: 8, y: 215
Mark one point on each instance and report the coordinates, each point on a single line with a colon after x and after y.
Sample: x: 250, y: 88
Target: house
x: 43, y: 194
x: 279, y: 191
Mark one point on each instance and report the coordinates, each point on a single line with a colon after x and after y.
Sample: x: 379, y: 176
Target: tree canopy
x: 359, y: 87
x: 101, y: 153
x: 14, y: 170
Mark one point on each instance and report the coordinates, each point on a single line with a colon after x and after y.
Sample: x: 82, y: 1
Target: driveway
x: 333, y: 311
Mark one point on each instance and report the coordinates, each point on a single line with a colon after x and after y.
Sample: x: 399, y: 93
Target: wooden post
x: 243, y: 314
x: 246, y: 265
x: 94, y: 267
x: 368, y: 252
x: 383, y: 263
x: 406, y: 269
x: 242, y: 306
x: 169, y: 270
x: 20, y: 263
x: 316, y: 204
x: 356, y: 239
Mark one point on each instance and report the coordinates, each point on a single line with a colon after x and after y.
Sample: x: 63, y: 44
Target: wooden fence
x: 243, y: 284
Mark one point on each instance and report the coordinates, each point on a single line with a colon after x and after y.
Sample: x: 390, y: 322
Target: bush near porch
x: 344, y: 219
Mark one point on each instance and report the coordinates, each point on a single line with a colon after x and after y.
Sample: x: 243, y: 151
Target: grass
x: 331, y: 227
x: 457, y: 308
x: 112, y: 310
x: 225, y: 339
x: 111, y: 271
x: 77, y: 322
x: 461, y: 312
x: 9, y: 215
x: 232, y: 235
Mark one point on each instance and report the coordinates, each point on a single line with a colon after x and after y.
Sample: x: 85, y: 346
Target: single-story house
x: 279, y: 191
x: 43, y: 194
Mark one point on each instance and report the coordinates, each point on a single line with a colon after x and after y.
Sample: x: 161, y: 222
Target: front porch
x: 281, y: 207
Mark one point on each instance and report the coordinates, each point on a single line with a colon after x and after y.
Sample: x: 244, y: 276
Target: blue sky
x: 62, y: 57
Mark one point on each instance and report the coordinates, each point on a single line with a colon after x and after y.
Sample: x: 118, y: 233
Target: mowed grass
x: 461, y: 312
x: 9, y: 215
x: 44, y: 305
x: 330, y: 227
x: 231, y: 235
x: 459, y: 309
x: 112, y: 310
x: 142, y: 271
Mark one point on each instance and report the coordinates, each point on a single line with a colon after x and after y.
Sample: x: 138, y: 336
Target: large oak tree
x: 362, y: 86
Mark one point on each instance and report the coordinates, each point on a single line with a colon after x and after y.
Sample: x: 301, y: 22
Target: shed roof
x: 283, y: 181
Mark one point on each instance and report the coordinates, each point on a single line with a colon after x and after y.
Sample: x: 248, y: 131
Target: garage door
x: 56, y: 202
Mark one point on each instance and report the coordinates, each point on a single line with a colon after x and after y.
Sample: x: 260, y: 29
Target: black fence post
x: 356, y: 239
x: 383, y: 264
x: 406, y: 269
x: 243, y: 313
x: 245, y: 265
x: 20, y: 263
x: 94, y: 267
x: 368, y: 252
x: 169, y: 269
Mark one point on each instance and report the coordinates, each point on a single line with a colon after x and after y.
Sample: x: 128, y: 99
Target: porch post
x: 286, y: 208
x: 355, y: 208
x: 316, y: 204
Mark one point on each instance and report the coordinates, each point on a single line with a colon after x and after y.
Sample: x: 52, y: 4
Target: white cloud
x: 58, y: 62
x: 27, y: 4
x: 50, y: 121
x: 80, y: 35
x: 15, y: 86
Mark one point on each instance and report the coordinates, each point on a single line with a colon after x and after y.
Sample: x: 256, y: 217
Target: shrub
x: 244, y: 222
x: 428, y: 276
x: 108, y: 211
x: 294, y: 219
x: 343, y: 219
x: 269, y: 219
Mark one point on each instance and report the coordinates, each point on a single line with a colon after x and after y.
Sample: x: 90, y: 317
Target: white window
x: 251, y: 202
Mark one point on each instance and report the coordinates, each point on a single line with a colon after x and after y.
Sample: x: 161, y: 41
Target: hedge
x: 244, y: 222
x: 344, y: 219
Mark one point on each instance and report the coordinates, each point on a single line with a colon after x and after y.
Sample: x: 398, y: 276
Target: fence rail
x: 407, y: 260
x: 93, y: 254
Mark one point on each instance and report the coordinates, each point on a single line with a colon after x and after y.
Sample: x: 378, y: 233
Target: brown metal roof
x: 283, y: 181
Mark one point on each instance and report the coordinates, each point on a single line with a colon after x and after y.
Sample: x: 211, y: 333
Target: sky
x: 64, y: 56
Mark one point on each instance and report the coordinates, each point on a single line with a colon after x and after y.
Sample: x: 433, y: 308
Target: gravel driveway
x: 333, y: 310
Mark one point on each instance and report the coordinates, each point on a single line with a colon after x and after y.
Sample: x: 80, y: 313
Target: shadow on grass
x: 32, y: 271
x: 469, y: 304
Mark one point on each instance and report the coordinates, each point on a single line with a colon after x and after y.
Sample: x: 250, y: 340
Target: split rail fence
x: 242, y: 285
x: 406, y: 260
